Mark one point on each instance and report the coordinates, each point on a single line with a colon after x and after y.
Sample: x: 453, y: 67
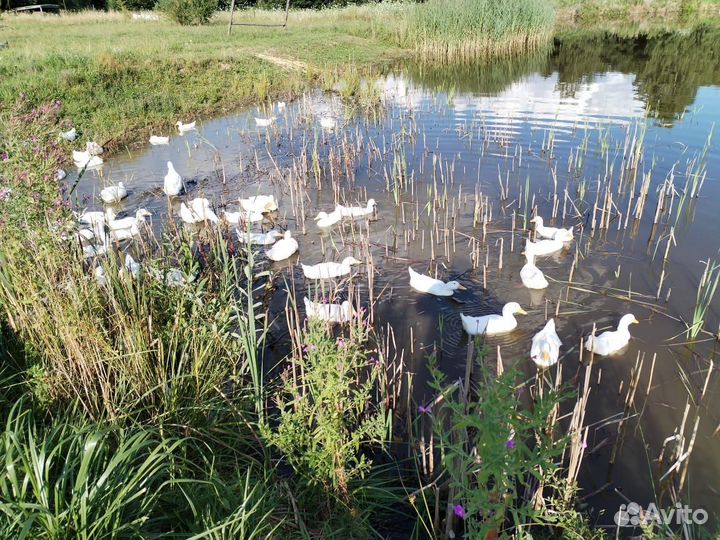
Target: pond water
x: 457, y: 160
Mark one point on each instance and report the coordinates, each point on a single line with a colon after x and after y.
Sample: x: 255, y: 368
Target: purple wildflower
x: 424, y: 410
x: 340, y: 343
x: 583, y: 446
x: 459, y: 511
x: 4, y: 194
x: 510, y: 444
x: 4, y: 156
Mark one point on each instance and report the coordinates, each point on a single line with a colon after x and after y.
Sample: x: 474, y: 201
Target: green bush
x: 188, y: 12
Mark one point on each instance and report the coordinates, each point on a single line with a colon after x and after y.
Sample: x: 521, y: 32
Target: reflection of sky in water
x: 536, y: 99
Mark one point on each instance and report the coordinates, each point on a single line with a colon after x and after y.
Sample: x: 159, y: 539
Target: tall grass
x: 465, y: 30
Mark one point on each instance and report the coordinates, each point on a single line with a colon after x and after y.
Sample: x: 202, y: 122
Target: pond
x: 612, y: 136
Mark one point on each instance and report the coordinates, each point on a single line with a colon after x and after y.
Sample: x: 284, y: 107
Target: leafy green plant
x: 495, y: 452
x: 188, y: 12
x: 326, y: 411
x: 80, y: 482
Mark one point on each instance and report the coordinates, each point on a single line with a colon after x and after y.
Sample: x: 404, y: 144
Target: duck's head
x: 347, y: 261
x: 287, y: 235
x: 321, y: 215
x: 142, y: 213
x: 511, y: 308
x: 529, y: 256
x: 627, y: 320
x: 371, y: 203
x: 550, y: 325
x: 170, y: 166
x: 537, y: 220
x: 178, y: 123
x: 121, y: 185
x: 274, y: 234
x: 110, y: 214
x: 455, y: 286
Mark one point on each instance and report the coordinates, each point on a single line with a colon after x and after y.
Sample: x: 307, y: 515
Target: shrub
x: 326, y: 416
x: 189, y: 12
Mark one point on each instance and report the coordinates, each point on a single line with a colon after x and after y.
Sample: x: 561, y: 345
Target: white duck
x: 69, y: 135
x: 329, y: 270
x: 531, y: 276
x: 430, y: 285
x: 259, y: 203
x: 132, y: 266
x: 197, y: 211
x: 235, y: 218
x: 85, y: 234
x: 545, y: 347
x: 327, y: 122
x: 129, y: 224
x: 92, y: 218
x: 173, y: 183
x: 543, y: 247
x: 263, y: 239
x: 100, y: 276
x: 325, y: 220
x: 184, y: 128
x: 60, y: 174
x: 335, y: 313
x: 125, y: 223
x: 95, y: 250
x: 158, y: 139
x: 172, y: 277
x: 357, y: 211
x: 553, y: 233
x: 283, y: 248
x: 264, y: 122
x: 493, y: 324
x: 611, y: 341
x: 114, y: 194
x: 85, y: 160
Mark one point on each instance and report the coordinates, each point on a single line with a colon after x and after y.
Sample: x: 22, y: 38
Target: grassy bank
x: 120, y: 79
x: 613, y: 13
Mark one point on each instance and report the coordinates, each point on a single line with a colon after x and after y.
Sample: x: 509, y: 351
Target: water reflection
x: 665, y: 67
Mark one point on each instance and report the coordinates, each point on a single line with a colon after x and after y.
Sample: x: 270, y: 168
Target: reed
x: 465, y: 30
x: 705, y: 293
x: 132, y: 344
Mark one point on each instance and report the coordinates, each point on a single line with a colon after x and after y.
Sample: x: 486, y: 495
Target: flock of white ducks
x: 545, y: 346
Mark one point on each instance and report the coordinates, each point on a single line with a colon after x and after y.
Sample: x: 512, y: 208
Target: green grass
x: 120, y: 79
x: 590, y: 13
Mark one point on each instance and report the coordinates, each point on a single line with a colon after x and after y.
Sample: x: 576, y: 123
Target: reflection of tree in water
x: 480, y: 78
x: 669, y: 66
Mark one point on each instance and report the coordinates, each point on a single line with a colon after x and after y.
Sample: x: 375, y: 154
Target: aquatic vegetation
x: 705, y: 294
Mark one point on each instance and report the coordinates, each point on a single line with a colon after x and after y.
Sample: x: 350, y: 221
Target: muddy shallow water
x: 518, y: 133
